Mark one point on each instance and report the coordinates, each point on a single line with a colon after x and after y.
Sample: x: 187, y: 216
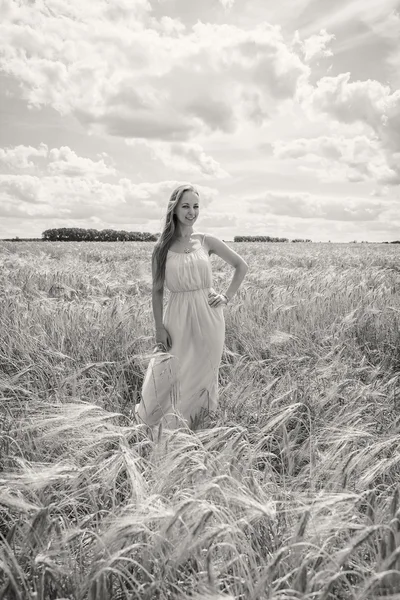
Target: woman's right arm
x: 157, y: 300
x: 162, y: 336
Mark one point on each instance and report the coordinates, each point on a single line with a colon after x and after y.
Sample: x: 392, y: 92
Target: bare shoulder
x: 216, y: 246
x: 213, y: 243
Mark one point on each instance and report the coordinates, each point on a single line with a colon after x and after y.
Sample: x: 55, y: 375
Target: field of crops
x: 292, y: 493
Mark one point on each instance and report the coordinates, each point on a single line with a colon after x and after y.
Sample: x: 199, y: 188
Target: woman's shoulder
x: 205, y: 236
x: 208, y: 238
x: 200, y: 236
x: 208, y: 241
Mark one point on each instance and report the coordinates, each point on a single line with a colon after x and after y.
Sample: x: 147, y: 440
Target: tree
x: 78, y: 234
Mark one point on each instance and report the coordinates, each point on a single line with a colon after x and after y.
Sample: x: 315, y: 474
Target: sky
x: 284, y: 115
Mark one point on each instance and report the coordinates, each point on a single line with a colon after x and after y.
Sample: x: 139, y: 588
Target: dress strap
x: 202, y: 241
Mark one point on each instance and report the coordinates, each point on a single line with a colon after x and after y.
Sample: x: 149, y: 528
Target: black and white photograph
x: 199, y: 300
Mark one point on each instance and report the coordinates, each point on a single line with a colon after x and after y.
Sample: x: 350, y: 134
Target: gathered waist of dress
x: 194, y: 290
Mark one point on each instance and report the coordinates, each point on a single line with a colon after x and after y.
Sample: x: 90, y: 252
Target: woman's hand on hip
x: 215, y: 299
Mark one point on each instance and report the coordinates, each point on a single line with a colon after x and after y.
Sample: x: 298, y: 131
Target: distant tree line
x: 76, y: 234
x: 258, y: 238
x: 18, y: 239
x: 264, y: 238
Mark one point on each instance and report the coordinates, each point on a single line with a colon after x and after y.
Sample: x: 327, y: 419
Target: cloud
x: 351, y: 101
x: 121, y: 71
x: 373, y: 156
x: 71, y: 199
x: 55, y: 161
x: 218, y: 221
x: 227, y: 4
x: 253, y: 107
x: 308, y: 206
x: 387, y: 25
x: 335, y: 15
x: 356, y: 159
x: 382, y: 229
x: 196, y: 102
x: 65, y: 161
x: 314, y: 46
x: 322, y: 146
x: 18, y: 156
x: 183, y: 157
x: 15, y: 189
x: 169, y: 26
x: 369, y: 102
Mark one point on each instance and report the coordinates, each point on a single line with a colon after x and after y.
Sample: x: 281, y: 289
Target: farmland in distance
x: 293, y: 490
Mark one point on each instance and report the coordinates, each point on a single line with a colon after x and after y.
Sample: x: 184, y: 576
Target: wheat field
x: 292, y: 492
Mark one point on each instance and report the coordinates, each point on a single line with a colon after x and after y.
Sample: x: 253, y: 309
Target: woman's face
x: 187, y: 209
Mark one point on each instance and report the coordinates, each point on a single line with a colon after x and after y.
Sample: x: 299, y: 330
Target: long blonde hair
x: 159, y: 257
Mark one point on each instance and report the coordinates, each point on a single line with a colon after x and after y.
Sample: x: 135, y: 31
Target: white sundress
x: 184, y: 380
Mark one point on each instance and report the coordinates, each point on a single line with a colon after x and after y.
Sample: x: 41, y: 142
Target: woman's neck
x: 184, y: 232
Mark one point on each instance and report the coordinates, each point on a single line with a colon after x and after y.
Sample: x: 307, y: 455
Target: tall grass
x: 291, y: 493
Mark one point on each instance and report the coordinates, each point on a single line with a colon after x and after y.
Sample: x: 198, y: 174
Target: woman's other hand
x: 163, y: 339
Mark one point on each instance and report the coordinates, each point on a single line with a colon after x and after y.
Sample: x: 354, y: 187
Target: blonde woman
x: 181, y: 381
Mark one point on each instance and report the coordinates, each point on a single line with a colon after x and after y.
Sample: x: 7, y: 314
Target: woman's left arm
x: 218, y: 247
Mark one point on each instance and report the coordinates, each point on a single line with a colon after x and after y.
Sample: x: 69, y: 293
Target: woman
x: 183, y: 378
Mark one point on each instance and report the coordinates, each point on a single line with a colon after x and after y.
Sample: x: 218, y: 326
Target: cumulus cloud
x: 308, y: 206
x: 70, y: 199
x: 189, y: 158
x: 227, y: 3
x: 124, y: 71
x: 78, y: 58
x: 314, y: 46
x: 356, y: 159
x: 316, y: 229
x: 18, y: 157
x: 369, y: 102
x: 20, y: 189
x: 55, y: 161
x: 68, y: 187
x: 322, y: 146
x: 65, y: 161
x: 373, y: 156
x: 254, y: 109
